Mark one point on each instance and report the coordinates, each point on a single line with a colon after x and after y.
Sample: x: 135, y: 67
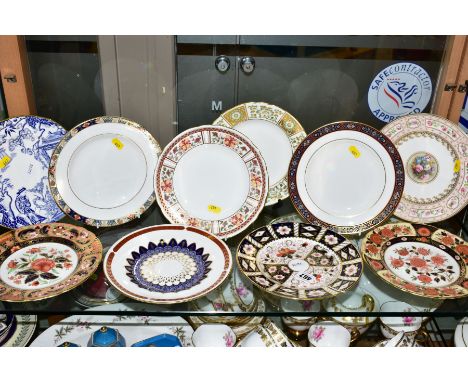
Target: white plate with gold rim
x: 101, y: 173
x: 212, y: 178
x: 434, y: 151
x: 346, y: 176
x: 461, y: 333
x: 275, y: 132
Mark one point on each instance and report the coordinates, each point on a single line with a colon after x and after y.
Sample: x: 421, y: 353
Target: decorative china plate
x: 26, y: 145
x: 102, y: 171
x: 434, y: 151
x: 167, y: 264
x: 21, y: 333
x: 78, y: 329
x: 346, y: 176
x: 275, y: 132
x: 46, y: 260
x: 211, y: 178
x: 461, y: 333
x: 418, y: 259
x: 299, y: 261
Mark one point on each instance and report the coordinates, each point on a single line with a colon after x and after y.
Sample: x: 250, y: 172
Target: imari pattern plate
x: 434, y: 151
x: 299, y: 261
x: 346, y: 176
x: 167, y: 264
x: 197, y: 174
x: 419, y: 259
x: 78, y: 329
x: 275, y: 132
x: 101, y: 173
x: 26, y: 145
x: 46, y: 260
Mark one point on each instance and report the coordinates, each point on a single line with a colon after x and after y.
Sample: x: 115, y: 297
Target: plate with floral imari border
x: 434, y: 151
x: 419, y: 259
x: 101, y: 173
x: 211, y: 178
x: 167, y: 264
x: 46, y: 260
x: 78, y: 329
x: 275, y: 132
x: 299, y: 261
x: 346, y: 176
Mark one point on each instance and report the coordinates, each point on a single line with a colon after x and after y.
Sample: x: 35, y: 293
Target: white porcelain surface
x: 461, y: 333
x: 341, y: 189
x: 214, y: 335
x: 328, y: 334
x: 78, y: 329
x: 265, y: 335
x: 390, y: 326
x: 99, y: 181
x: 299, y: 323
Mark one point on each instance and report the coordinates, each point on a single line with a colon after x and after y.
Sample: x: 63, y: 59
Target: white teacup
x: 401, y: 340
x: 328, y: 333
x: 297, y: 326
x: 214, y: 335
x: 266, y: 335
x: 391, y: 326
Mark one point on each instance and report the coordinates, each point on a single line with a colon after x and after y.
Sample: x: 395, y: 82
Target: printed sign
x: 399, y: 89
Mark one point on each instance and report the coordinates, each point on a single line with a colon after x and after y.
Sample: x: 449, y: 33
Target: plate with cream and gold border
x: 299, y: 261
x: 275, y: 132
x: 46, y: 260
x: 211, y: 178
x: 101, y: 172
x: 418, y: 259
x: 434, y: 151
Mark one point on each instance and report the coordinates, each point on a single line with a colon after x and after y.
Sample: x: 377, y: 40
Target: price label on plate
x: 4, y: 161
x: 117, y: 143
x: 353, y: 150
x: 456, y: 167
x: 214, y: 209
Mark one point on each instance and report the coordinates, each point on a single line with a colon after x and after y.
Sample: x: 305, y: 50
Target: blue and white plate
x: 26, y: 144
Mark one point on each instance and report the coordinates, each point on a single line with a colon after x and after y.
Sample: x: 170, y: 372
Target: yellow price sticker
x: 353, y: 150
x: 214, y: 209
x: 456, y: 167
x: 117, y: 143
x: 4, y: 161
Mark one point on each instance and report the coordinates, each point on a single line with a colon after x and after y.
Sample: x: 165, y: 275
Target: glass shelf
x: 80, y: 299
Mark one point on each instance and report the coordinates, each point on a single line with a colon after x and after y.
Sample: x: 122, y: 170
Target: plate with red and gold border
x: 46, y: 260
x: 434, y: 151
x: 211, y: 178
x: 419, y: 259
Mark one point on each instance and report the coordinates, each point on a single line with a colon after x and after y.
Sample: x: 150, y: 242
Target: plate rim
x: 405, y: 290
x: 261, y: 203
x: 353, y: 285
x: 46, y: 172
x: 97, y: 254
x: 391, y: 205
x: 271, y: 199
x: 101, y: 120
x: 453, y: 125
x: 227, y: 269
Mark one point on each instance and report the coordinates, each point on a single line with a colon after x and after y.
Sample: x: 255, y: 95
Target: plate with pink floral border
x: 46, y: 260
x: 419, y: 259
x: 434, y: 151
x: 299, y: 261
x: 211, y: 178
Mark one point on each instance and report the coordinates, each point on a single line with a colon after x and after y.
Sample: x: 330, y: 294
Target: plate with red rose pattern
x: 211, y: 178
x: 419, y: 259
x: 434, y: 151
x: 299, y: 261
x: 46, y: 260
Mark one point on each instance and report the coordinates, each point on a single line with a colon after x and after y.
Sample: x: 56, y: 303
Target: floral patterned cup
x: 297, y: 326
x: 266, y: 335
x: 214, y: 335
x: 328, y: 333
x: 391, y: 326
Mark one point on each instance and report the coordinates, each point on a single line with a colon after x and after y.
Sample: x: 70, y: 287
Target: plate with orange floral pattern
x: 419, y: 259
x: 211, y: 178
x: 46, y: 260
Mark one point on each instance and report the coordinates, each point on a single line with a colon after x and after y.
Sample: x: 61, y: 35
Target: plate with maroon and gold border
x: 46, y: 260
x: 419, y: 259
x: 211, y: 178
x: 299, y: 261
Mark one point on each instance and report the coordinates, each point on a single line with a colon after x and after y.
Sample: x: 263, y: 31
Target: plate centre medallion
x: 422, y: 167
